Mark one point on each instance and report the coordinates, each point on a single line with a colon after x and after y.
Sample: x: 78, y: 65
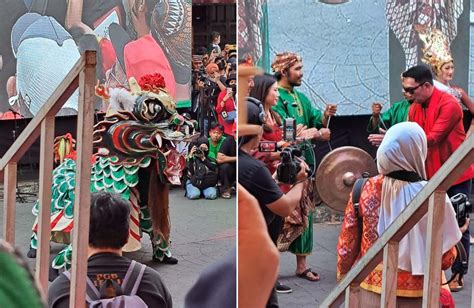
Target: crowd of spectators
x: 211, y: 160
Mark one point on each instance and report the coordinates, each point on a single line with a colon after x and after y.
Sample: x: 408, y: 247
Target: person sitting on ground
x: 202, y: 174
x: 215, y: 140
x: 108, y: 233
x: 401, y: 164
x: 227, y: 161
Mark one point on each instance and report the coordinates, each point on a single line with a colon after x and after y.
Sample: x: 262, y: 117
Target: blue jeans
x: 192, y: 192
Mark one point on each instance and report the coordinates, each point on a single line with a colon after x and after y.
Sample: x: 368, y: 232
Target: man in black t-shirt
x: 109, y: 231
x: 256, y: 178
x: 226, y: 159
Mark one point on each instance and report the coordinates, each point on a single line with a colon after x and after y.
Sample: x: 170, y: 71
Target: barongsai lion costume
x: 135, y: 156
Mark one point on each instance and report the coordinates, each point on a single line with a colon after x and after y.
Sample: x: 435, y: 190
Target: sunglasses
x: 411, y: 90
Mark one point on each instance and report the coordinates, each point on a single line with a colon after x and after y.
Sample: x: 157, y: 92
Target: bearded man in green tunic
x: 288, y: 68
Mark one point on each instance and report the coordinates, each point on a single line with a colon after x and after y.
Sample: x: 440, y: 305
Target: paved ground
x: 323, y: 261
x: 202, y: 232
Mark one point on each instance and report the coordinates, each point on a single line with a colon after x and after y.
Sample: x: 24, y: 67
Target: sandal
x: 226, y: 195
x: 305, y: 275
x: 457, y: 284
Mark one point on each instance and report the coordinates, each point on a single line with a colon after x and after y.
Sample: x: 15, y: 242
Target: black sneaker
x: 282, y: 289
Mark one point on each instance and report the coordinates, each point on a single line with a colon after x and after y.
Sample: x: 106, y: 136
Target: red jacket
x: 229, y: 107
x: 441, y: 119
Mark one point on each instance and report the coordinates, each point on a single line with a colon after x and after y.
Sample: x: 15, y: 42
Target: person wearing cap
x: 255, y: 177
x: 212, y: 70
x: 288, y: 69
x: 226, y: 108
x: 440, y: 116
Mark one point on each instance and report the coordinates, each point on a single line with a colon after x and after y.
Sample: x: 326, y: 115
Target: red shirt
x: 441, y: 119
x: 229, y: 106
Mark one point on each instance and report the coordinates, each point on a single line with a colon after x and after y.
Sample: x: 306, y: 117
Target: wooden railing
x: 82, y: 75
x: 431, y: 199
x: 245, y: 73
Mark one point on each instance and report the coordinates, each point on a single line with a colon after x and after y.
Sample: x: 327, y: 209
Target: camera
x: 290, y: 165
x: 199, y: 153
x: 462, y: 207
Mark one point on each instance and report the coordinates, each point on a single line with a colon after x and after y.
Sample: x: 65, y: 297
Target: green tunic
x: 304, y: 113
x: 213, y: 150
x: 397, y: 113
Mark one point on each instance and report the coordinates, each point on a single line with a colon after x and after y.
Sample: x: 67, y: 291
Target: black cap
x: 232, y: 76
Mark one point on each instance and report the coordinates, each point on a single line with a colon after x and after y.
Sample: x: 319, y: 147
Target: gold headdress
x: 436, y: 50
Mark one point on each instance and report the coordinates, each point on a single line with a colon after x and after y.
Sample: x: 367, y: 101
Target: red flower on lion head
x: 152, y: 82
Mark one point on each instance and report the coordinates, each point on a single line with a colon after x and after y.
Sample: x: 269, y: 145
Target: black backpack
x: 356, y: 192
x: 112, y: 295
x: 202, y: 177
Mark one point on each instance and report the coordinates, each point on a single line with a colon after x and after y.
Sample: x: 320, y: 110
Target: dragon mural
x: 135, y: 156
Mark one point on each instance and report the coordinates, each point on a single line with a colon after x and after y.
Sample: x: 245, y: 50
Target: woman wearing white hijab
x: 401, y: 164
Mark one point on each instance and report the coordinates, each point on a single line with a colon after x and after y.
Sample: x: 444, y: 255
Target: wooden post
x: 85, y: 122
x: 9, y: 203
x: 389, y: 275
x: 352, y: 296
x: 245, y: 72
x: 434, y: 245
x: 45, y: 181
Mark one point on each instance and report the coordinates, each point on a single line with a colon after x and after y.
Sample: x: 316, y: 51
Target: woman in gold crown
x: 438, y: 56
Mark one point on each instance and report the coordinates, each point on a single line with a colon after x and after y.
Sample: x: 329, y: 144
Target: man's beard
x: 294, y: 83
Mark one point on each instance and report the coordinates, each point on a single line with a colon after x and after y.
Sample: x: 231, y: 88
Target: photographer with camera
x: 201, y: 173
x: 257, y: 179
x: 226, y: 108
x: 207, y: 86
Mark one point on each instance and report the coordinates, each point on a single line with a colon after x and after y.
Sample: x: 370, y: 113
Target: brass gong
x: 338, y: 172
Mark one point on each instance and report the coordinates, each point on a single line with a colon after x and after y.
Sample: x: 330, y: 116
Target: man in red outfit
x: 440, y: 116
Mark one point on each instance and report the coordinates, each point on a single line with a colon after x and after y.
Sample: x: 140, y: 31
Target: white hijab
x: 404, y: 147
